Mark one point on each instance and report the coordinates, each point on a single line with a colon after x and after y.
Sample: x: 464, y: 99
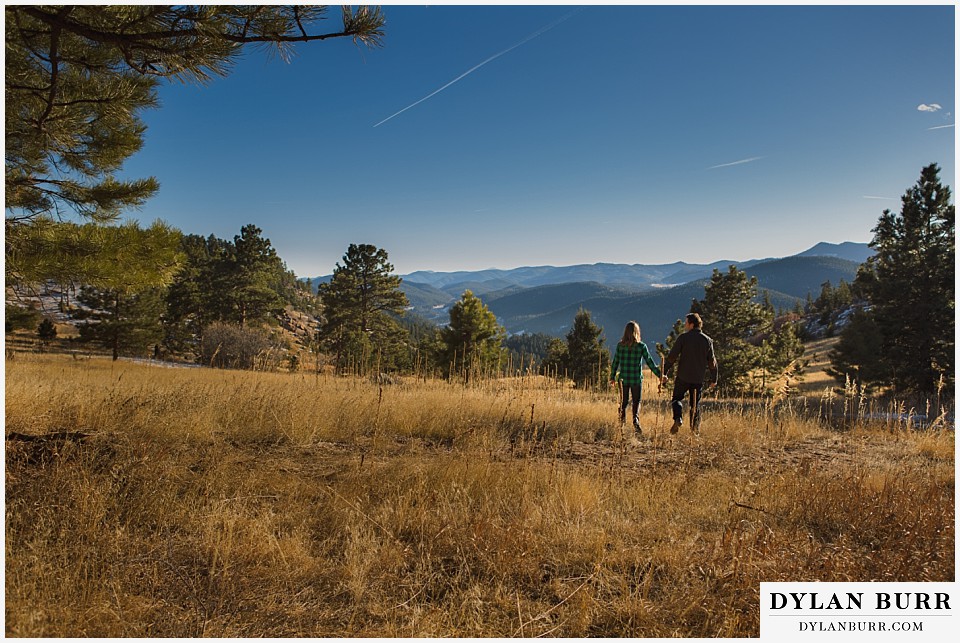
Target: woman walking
x: 627, y: 368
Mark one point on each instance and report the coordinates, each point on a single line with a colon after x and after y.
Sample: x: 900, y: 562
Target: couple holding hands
x: 694, y: 351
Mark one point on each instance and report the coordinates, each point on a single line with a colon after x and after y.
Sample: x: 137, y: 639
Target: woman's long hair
x: 631, y: 334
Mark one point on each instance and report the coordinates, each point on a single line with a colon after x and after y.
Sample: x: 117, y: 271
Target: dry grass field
x: 817, y: 357
x: 223, y: 503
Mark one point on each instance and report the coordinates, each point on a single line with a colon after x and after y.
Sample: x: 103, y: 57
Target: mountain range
x: 546, y: 298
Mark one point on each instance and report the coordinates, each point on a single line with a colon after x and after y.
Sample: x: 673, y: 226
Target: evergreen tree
x: 858, y: 354
x: 421, y: 343
x: 189, y: 300
x: 125, y: 287
x: 18, y: 318
x: 46, y: 331
x: 125, y: 322
x: 242, y: 281
x: 529, y: 346
x: 767, y: 304
x: 664, y: 349
x: 843, y: 296
x: 832, y: 300
x: 79, y: 77
x: 557, y: 359
x: 732, y: 318
x: 113, y: 256
x: 588, y: 362
x: 358, y: 302
x: 255, y: 276
x: 472, y: 340
x: 824, y: 303
x: 780, y: 352
x: 910, y: 285
x: 77, y: 81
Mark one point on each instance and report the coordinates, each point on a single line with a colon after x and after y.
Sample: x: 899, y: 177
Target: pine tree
x: 17, y: 318
x: 472, y: 341
x: 254, y: 276
x: 188, y: 299
x: 46, y: 331
x: 588, y: 362
x: 118, y: 256
x: 77, y: 82
x: 241, y: 282
x: 125, y: 284
x: 420, y: 345
x: 782, y: 350
x: 731, y: 318
x: 358, y: 301
x: 529, y: 348
x: 909, y: 283
x: 664, y: 349
x: 557, y: 359
x: 78, y: 79
x: 858, y: 354
x: 124, y: 322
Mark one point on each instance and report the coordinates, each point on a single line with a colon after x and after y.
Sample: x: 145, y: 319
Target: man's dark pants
x: 680, y: 389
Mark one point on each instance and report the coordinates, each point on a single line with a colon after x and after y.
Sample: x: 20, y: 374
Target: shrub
x: 230, y: 346
x: 46, y: 331
x: 17, y: 318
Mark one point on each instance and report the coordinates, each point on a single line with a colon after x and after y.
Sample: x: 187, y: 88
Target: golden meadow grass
x: 222, y: 503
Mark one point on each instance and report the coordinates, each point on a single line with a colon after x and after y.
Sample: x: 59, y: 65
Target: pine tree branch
x: 143, y: 39
x: 54, y: 72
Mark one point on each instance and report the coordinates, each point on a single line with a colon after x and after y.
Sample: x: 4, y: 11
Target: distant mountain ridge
x: 636, y: 276
x: 632, y: 276
x: 785, y: 281
x: 849, y: 250
x: 546, y: 298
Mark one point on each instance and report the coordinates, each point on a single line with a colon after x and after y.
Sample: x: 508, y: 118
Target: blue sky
x: 623, y: 134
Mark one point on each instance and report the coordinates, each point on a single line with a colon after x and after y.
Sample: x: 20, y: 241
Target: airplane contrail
x: 939, y: 127
x: 752, y: 158
x: 490, y: 59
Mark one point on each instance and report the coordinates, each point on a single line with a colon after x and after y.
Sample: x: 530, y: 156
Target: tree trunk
x: 116, y: 328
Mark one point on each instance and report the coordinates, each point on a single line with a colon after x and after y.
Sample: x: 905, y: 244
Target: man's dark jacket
x: 695, y: 351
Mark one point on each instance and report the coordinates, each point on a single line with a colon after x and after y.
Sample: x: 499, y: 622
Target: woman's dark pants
x: 630, y: 390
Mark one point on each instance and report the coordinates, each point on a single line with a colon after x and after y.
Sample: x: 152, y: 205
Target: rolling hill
x: 655, y: 311
x: 541, y: 300
x: 800, y: 275
x: 546, y: 298
x: 551, y: 309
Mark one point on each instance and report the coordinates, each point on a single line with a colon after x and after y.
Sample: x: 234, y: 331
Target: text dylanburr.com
x: 858, y: 611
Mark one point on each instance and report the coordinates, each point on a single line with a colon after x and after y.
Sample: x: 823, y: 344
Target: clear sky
x: 622, y: 134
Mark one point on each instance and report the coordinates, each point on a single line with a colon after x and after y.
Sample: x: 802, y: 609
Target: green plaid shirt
x: 628, y: 360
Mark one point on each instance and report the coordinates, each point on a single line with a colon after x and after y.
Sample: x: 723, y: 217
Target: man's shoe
x: 676, y: 426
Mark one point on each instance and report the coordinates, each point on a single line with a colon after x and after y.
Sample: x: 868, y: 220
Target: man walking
x: 694, y: 350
